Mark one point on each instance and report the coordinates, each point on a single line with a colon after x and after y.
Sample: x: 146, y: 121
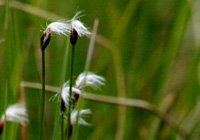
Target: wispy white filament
x: 79, y: 26
x: 58, y: 27
x: 16, y: 113
x: 82, y: 115
x: 65, y: 94
x: 89, y: 79
x: 85, y: 79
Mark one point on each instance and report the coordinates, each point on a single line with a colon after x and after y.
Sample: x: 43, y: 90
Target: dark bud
x: 45, y: 40
x: 75, y: 97
x: 1, y: 127
x: 70, y: 131
x: 73, y: 37
x: 62, y: 107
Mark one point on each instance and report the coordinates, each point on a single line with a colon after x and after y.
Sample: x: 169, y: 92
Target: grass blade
x: 64, y: 68
x: 87, y: 66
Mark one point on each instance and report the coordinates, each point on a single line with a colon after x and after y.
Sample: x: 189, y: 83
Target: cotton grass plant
x: 73, y: 28
x: 59, y: 28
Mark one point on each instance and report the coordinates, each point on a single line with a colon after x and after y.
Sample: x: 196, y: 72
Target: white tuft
x: 79, y: 26
x: 16, y: 113
x: 58, y: 27
x: 82, y: 115
x: 65, y: 94
x: 89, y: 79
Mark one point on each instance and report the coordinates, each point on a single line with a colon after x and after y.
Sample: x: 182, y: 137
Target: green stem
x: 43, y: 95
x: 70, y: 93
x: 62, y: 126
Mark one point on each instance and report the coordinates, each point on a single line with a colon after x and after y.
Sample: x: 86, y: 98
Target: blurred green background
x: 146, y: 49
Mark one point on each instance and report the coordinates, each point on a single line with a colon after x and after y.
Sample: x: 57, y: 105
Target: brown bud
x: 75, y: 97
x: 62, y: 107
x: 73, y: 37
x: 70, y: 131
x: 1, y: 127
x: 45, y: 39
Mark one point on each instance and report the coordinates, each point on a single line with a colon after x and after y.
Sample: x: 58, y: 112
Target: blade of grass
x: 191, y: 121
x: 64, y: 68
x: 172, y: 46
x: 5, y: 107
x: 87, y: 66
x: 6, y: 13
x: 164, y: 106
x: 63, y: 80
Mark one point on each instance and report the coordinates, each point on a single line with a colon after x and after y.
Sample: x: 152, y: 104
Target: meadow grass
x: 147, y: 50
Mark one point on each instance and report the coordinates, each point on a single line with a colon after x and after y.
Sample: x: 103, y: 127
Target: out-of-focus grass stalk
x: 62, y: 126
x: 5, y: 106
x: 57, y: 119
x: 86, y: 69
x: 6, y: 13
x: 63, y: 80
x: 43, y: 96
x: 164, y: 106
x: 70, y: 93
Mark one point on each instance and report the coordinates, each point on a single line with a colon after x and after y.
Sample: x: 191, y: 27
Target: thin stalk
x: 43, y: 95
x: 62, y: 126
x: 70, y: 93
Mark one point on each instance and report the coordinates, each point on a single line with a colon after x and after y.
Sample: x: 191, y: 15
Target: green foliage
x: 146, y: 49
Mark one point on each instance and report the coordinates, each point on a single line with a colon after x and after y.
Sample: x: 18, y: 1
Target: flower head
x: 65, y: 94
x: 82, y: 115
x: 16, y: 113
x: 77, y: 28
x: 89, y: 79
x: 58, y: 27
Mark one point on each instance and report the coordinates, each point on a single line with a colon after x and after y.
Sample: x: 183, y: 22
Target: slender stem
x: 43, y: 95
x: 62, y: 126
x: 70, y: 93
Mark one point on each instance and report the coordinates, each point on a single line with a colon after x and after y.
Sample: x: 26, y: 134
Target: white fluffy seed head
x: 79, y: 26
x: 92, y: 80
x: 65, y: 94
x: 16, y: 113
x: 83, y: 114
x: 59, y: 28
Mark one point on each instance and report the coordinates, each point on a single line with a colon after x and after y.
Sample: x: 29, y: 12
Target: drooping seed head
x: 58, y: 27
x: 83, y: 114
x: 16, y: 113
x: 77, y: 29
x: 91, y: 80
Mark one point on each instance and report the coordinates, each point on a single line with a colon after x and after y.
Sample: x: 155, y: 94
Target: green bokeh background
x: 155, y: 43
